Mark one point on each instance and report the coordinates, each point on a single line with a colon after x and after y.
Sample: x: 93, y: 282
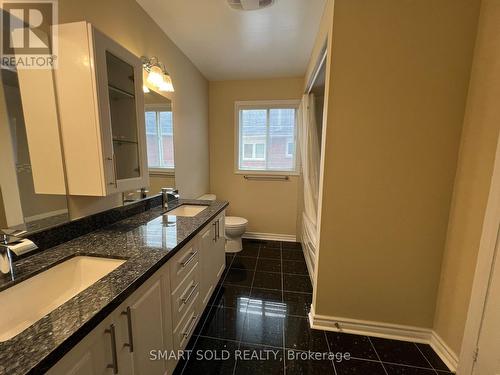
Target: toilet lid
x: 234, y: 221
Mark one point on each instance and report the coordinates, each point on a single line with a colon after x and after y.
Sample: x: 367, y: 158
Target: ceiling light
x: 145, y: 89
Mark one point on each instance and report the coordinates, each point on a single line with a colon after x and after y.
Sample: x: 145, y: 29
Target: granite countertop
x: 147, y: 241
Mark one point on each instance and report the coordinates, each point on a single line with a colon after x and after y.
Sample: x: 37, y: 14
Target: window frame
x: 161, y: 108
x: 265, y: 104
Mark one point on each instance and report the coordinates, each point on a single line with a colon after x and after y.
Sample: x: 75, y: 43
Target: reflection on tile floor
x: 258, y: 315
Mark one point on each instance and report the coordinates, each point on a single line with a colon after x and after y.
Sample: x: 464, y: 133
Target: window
x: 290, y: 149
x: 254, y: 151
x: 160, y: 138
x: 266, y: 136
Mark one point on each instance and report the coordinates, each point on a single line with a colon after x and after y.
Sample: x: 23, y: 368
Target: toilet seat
x: 235, y: 222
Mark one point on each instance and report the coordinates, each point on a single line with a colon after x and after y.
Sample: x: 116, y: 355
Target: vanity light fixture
x: 157, y: 74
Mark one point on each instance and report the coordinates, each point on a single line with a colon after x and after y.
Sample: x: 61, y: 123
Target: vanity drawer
x: 182, y: 263
x: 187, y: 292
x: 187, y: 325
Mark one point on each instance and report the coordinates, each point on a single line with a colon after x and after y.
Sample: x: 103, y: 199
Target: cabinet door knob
x: 130, y: 344
x: 188, y: 332
x: 114, y: 364
x: 191, y: 293
x: 189, y: 260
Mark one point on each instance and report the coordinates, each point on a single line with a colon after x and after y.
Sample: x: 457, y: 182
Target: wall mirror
x: 32, y: 178
x: 160, y: 145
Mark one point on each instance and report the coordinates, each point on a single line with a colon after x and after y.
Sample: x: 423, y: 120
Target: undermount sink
x: 188, y: 210
x: 27, y: 302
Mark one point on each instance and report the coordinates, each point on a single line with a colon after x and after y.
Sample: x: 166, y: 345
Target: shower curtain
x: 310, y: 160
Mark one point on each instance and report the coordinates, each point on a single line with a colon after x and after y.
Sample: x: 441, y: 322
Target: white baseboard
x: 386, y: 330
x: 270, y: 236
x: 447, y: 355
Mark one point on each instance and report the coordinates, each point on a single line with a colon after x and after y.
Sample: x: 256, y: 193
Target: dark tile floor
x: 257, y: 323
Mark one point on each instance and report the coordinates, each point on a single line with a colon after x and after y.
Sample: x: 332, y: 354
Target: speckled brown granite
x: 146, y: 240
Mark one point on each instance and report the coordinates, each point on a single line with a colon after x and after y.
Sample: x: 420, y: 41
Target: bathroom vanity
x: 164, y: 270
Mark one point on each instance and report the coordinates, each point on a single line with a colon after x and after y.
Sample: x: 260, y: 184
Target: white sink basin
x: 27, y: 302
x: 188, y: 210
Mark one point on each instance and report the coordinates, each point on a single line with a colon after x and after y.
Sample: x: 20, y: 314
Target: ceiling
x: 231, y: 44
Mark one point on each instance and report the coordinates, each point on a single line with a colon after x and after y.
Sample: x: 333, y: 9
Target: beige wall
x: 156, y: 182
x: 479, y: 141
x: 269, y: 206
x: 127, y: 23
x: 396, y: 92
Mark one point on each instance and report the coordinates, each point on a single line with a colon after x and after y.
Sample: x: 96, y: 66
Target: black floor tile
x: 232, y: 296
x: 271, y: 244
x: 359, y: 367
x: 290, y: 254
x: 249, y: 251
x: 239, y: 277
x: 291, y: 245
x: 356, y: 345
x: 267, y: 280
x: 224, y: 323
x: 297, y: 283
x: 270, y: 253
x: 432, y: 357
x: 257, y: 360
x: 295, y: 266
x: 299, y: 363
x: 405, y: 370
x: 244, y: 263
x: 268, y: 265
x: 297, y: 303
x: 298, y: 335
x: 229, y: 259
x: 263, y: 326
x: 399, y: 352
x: 202, y: 362
x: 185, y: 357
x: 269, y: 295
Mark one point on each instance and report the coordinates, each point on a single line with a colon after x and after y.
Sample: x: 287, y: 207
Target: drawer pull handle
x: 189, y: 260
x: 130, y: 343
x: 215, y: 231
x: 191, y: 326
x: 191, y: 293
x: 112, y: 332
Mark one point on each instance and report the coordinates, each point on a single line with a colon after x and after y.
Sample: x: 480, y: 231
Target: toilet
x: 235, y: 227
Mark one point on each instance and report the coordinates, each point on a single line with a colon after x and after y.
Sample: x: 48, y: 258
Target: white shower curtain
x: 310, y: 160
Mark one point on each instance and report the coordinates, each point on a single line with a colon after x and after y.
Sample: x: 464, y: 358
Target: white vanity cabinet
x: 101, y: 112
x: 121, y: 344
x: 159, y: 316
x: 213, y: 258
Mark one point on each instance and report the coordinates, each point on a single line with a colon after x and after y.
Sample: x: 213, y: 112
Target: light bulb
x: 155, y: 76
x: 166, y: 84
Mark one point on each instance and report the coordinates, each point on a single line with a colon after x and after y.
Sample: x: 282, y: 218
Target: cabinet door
x: 146, y: 317
x: 121, y: 109
x: 207, y: 246
x: 93, y: 356
x: 219, y: 256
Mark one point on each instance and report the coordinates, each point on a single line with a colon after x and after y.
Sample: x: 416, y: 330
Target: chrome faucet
x: 168, y: 194
x: 11, y: 243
